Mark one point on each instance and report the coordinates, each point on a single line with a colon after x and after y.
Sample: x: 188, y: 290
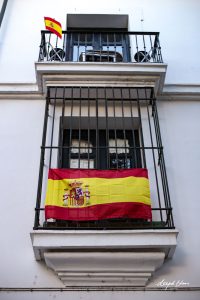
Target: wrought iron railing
x: 104, y: 46
x: 87, y: 113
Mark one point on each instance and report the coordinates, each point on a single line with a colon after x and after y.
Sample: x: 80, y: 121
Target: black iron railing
x: 120, y: 129
x: 105, y: 46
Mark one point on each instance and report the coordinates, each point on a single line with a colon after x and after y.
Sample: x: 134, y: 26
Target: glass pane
x: 81, y: 146
x: 79, y: 52
x: 113, y: 49
x: 120, y: 163
x: 118, y: 146
x: 82, y: 164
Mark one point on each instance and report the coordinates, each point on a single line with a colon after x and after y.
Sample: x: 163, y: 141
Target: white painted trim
x: 104, y: 257
x: 18, y: 87
x: 180, y: 92
x: 20, y: 91
x: 181, y: 88
x: 43, y: 240
x: 29, y: 91
x: 148, y: 74
x: 121, y: 269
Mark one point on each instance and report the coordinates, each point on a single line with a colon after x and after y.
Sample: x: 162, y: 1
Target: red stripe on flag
x: 52, y: 20
x: 54, y: 31
x: 59, y: 174
x: 100, y: 212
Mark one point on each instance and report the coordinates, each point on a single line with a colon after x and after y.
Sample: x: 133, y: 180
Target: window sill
x: 104, y: 258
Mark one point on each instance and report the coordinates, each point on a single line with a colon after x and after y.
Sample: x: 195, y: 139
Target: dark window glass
x: 112, y: 149
x: 97, y: 46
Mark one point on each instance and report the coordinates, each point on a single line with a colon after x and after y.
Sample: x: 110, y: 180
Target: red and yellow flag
x: 53, y: 26
x: 82, y: 194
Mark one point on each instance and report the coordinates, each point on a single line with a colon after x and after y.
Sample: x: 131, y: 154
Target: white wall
x: 21, y: 125
x: 180, y: 125
x: 176, y: 20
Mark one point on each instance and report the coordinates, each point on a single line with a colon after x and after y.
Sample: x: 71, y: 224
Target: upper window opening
x: 103, y: 43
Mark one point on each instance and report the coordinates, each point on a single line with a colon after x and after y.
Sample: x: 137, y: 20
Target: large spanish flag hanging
x: 53, y: 26
x: 82, y: 194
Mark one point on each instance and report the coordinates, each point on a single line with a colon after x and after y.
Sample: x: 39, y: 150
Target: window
x: 101, y: 130
x: 97, y: 38
x: 104, y: 128
x: 80, y: 151
x: 98, y: 45
x: 116, y: 149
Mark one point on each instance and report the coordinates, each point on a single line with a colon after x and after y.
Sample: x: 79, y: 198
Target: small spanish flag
x: 53, y: 26
x: 82, y: 194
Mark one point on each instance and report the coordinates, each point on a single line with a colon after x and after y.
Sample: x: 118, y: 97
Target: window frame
x: 102, y: 149
x: 97, y: 43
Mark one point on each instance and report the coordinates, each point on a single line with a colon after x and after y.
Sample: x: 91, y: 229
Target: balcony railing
x: 105, y: 46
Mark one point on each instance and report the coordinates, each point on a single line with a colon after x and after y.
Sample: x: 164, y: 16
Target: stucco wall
x: 21, y: 123
x: 177, y: 21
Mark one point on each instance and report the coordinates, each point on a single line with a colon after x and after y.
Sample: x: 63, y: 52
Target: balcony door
x: 97, y: 45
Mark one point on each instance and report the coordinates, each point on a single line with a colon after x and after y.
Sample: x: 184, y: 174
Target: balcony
x: 97, y: 54
x: 112, y: 47
x: 104, y: 128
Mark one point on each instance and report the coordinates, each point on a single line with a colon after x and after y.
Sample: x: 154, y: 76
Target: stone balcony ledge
x: 104, y: 257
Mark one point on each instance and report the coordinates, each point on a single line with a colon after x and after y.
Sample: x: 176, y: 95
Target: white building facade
x: 120, y: 90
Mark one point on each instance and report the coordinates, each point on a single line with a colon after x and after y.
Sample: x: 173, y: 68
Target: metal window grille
x: 104, y: 128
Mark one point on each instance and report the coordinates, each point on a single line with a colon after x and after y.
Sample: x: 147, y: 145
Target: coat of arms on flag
x: 76, y: 195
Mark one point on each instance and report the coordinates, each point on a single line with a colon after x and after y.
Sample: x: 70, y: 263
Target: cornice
x: 31, y: 91
x: 189, y: 92
x: 140, y: 74
x: 20, y: 91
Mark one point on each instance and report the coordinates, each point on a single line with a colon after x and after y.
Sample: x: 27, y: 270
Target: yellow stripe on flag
x: 102, y: 190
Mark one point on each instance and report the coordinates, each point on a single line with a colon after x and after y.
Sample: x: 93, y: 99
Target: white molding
x: 30, y: 91
x: 181, y: 88
x: 18, y: 87
x: 43, y: 240
x: 98, y: 239
x: 140, y: 74
x: 104, y: 257
x: 180, y: 92
x: 104, y: 268
x: 20, y: 91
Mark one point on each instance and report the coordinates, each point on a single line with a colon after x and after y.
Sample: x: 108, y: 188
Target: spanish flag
x: 82, y: 194
x: 53, y: 26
